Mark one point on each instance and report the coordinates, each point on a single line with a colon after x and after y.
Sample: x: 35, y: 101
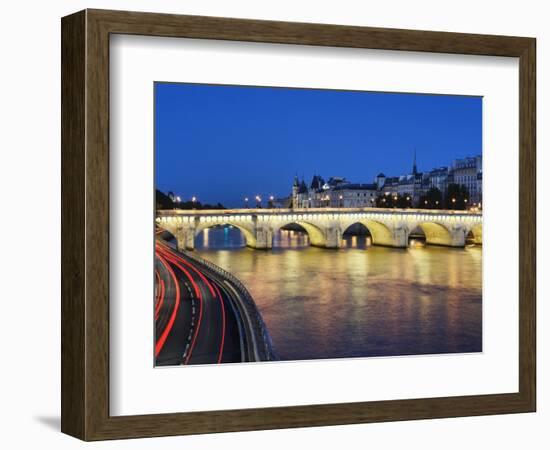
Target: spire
x: 295, y: 180
x: 414, y: 163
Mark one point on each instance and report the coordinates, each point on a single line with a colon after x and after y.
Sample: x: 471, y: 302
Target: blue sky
x: 222, y: 143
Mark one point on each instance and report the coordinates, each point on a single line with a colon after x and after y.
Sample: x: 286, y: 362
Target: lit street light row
x: 178, y: 199
x: 258, y: 199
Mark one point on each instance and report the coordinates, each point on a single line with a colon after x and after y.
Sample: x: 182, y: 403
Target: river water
x: 360, y: 300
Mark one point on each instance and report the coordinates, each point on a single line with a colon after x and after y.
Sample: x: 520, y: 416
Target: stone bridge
x: 325, y: 226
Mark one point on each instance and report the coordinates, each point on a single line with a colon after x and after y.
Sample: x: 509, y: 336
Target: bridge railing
x: 277, y: 211
x: 258, y: 325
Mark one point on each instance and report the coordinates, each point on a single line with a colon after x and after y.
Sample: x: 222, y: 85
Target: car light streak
x: 223, y: 324
x: 198, y: 293
x: 160, y: 343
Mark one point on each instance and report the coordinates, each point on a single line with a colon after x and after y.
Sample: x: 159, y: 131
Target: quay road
x: 200, y: 316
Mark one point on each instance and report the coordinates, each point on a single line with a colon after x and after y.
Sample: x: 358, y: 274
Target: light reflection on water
x: 224, y: 237
x: 361, y: 300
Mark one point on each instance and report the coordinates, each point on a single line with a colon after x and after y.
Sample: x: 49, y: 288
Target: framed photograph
x: 273, y: 225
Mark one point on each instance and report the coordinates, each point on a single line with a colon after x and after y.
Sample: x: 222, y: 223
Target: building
x: 478, y: 198
x: 353, y: 195
x: 468, y: 172
x: 338, y: 192
x: 439, y: 179
x: 412, y: 185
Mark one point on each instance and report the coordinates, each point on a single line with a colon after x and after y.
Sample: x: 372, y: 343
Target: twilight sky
x: 223, y: 143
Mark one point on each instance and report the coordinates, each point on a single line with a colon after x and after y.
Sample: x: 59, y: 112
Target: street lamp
x: 246, y: 202
x: 258, y: 201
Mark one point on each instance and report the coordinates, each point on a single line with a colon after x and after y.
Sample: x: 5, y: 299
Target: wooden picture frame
x: 85, y: 224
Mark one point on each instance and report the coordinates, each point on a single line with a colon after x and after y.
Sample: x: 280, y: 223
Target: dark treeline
x: 457, y: 197
x: 163, y: 201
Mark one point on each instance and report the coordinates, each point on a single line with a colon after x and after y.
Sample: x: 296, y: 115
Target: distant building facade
x: 439, y: 179
x: 338, y: 192
x: 468, y: 172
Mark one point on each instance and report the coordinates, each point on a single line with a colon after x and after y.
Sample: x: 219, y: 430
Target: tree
x: 404, y: 200
x: 163, y: 201
x: 457, y: 197
x: 433, y: 199
x: 393, y: 200
x: 384, y: 201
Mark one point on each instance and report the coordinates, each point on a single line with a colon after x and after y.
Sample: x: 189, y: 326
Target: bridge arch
x: 477, y: 233
x: 380, y: 233
x: 317, y: 235
x: 436, y: 233
x: 164, y: 233
x: 249, y: 237
x: 326, y: 226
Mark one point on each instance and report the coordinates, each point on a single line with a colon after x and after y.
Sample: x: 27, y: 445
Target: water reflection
x: 363, y: 241
x: 290, y: 239
x: 219, y: 237
x: 417, y: 242
x: 360, y: 300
